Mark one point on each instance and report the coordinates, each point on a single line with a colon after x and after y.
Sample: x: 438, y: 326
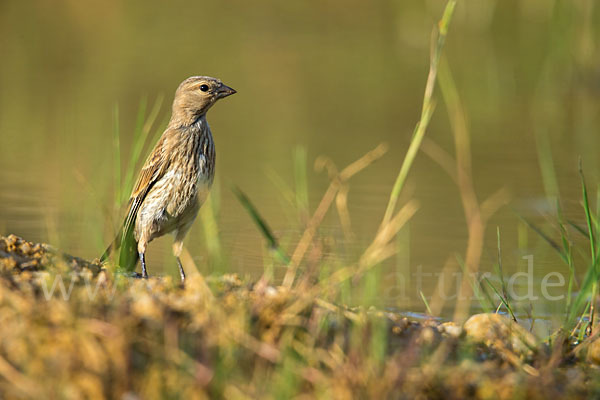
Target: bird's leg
x: 143, y: 260
x: 177, y: 247
x: 181, y: 272
x: 141, y: 248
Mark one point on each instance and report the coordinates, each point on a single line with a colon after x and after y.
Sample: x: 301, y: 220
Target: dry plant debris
x: 100, y: 335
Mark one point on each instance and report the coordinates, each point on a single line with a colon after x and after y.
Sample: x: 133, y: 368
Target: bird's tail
x: 126, y: 244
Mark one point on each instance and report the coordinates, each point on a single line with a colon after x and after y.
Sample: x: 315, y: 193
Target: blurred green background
x: 333, y: 77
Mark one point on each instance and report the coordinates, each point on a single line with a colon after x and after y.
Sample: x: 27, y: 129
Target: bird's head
x: 196, y: 95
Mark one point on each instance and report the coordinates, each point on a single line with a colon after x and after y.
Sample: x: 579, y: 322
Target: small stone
x: 270, y: 291
x: 450, y: 329
x: 593, y: 352
x: 26, y: 248
x: 495, y: 330
x: 12, y: 239
x: 427, y: 336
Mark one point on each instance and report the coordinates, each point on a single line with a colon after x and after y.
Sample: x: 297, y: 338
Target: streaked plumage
x: 176, y: 178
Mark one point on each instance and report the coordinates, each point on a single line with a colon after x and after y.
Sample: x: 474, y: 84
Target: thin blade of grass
x: 486, y: 307
x: 588, y: 213
x: 579, y: 229
x: 568, y: 251
x: 143, y: 127
x: 502, y: 299
x: 136, y: 149
x: 546, y: 238
x: 499, y: 270
x: 426, y: 303
x: 261, y: 224
x: 426, y: 113
x: 593, y: 252
x: 584, y: 292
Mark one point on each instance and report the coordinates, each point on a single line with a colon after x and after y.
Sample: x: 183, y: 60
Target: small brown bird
x: 175, y: 179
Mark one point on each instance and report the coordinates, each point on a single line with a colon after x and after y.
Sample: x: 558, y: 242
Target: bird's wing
x: 153, y: 169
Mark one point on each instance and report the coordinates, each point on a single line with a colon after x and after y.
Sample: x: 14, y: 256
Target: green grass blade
x: 261, y: 224
x: 579, y: 229
x: 499, y: 270
x: 426, y: 303
x: 502, y: 299
x: 426, y: 113
x: 588, y: 213
x: 547, y: 239
x: 568, y: 251
x: 140, y: 139
x: 476, y: 288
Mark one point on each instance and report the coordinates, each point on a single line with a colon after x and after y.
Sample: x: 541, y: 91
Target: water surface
x: 335, y: 78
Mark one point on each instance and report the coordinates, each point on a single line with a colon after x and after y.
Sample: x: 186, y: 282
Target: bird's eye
x: 204, y: 88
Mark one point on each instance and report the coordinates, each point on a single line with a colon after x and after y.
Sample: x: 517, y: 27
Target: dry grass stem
x: 323, y: 207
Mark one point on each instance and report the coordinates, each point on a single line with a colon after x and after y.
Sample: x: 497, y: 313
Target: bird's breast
x: 192, y: 179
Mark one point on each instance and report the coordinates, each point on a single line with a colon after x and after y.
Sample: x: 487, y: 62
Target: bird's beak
x: 225, y: 91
